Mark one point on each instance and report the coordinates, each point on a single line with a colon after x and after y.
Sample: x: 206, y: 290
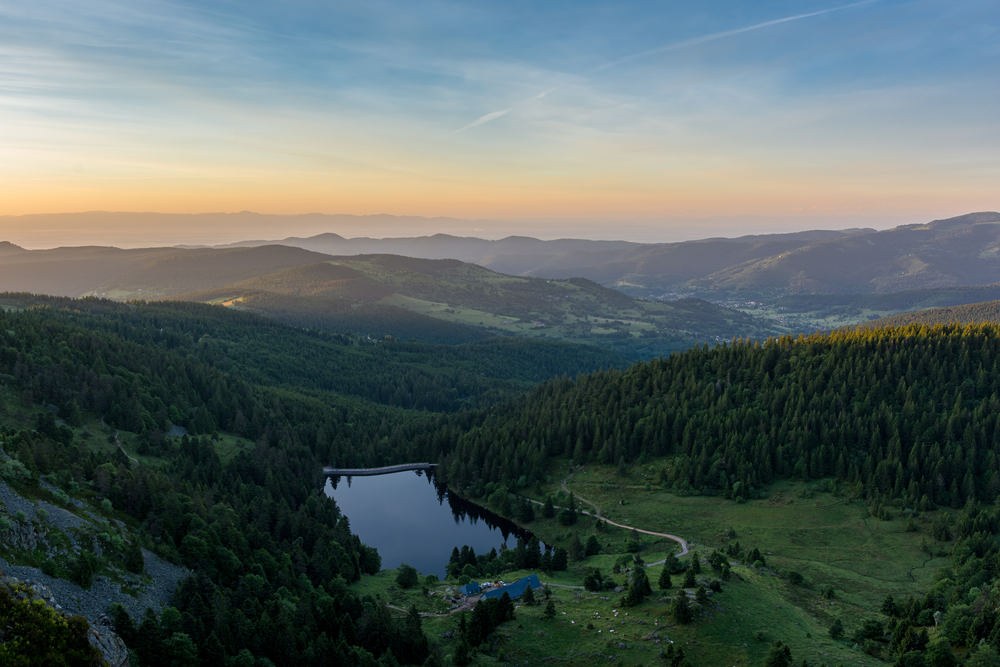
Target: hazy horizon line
x: 121, y: 230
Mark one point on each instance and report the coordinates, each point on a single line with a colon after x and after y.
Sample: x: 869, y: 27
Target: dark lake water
x: 410, y: 518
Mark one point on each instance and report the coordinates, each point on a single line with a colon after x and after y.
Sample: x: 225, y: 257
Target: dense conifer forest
x: 904, y: 417
x: 908, y: 413
x: 270, y: 555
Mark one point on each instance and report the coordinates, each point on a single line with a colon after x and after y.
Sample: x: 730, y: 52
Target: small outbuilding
x: 471, y: 588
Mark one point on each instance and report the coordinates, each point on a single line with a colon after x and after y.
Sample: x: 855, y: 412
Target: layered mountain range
x: 644, y: 299
x: 959, y: 251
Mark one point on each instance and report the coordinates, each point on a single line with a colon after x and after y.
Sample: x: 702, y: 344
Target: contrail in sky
x: 486, y: 118
x: 696, y: 41
x: 673, y: 46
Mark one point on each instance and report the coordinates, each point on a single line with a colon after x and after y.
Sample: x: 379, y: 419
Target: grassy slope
x: 828, y: 538
x: 470, y: 298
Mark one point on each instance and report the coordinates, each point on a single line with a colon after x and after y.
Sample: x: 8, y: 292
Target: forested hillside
x: 238, y: 500
x: 970, y: 313
x: 905, y: 419
x: 270, y: 555
x: 906, y: 413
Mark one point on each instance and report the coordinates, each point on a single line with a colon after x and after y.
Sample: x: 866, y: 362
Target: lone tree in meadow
x: 779, y: 655
x: 406, y: 576
x: 638, y: 587
x: 681, y: 608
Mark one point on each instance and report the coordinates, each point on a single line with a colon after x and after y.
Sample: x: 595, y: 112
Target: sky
x: 643, y: 120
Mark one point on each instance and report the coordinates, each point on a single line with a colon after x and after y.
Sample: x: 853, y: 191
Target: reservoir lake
x: 411, y: 518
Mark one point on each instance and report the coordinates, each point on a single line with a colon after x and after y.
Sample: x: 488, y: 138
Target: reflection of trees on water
x: 464, y: 510
x: 461, y: 509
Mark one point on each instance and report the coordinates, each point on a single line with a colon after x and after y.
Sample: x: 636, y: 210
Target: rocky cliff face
x: 111, y: 646
x: 33, y: 530
x: 101, y: 636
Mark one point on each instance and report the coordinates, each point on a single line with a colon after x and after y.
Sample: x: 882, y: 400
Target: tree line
x: 911, y: 414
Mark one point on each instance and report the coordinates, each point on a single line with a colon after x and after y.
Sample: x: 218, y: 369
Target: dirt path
x: 597, y: 509
x: 676, y: 538
x: 596, y: 514
x: 467, y: 604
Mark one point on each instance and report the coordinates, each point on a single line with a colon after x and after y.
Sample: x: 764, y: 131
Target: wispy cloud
x: 672, y: 46
x: 485, y: 118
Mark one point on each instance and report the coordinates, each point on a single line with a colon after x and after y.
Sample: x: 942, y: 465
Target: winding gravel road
x: 596, y: 514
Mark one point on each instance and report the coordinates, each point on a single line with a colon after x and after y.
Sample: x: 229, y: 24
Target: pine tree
x: 779, y: 656
x: 548, y: 509
x: 681, y: 608
x: 560, y: 560
x: 638, y: 587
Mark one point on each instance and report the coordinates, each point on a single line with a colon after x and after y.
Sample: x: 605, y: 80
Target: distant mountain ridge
x: 613, y: 263
x: 959, y: 251
x: 943, y: 253
x: 803, y: 280
x: 139, y: 273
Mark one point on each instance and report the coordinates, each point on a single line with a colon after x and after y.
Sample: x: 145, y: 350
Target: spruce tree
x: 681, y: 608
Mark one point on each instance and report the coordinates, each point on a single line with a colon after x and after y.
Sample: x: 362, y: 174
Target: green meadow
x: 825, y: 558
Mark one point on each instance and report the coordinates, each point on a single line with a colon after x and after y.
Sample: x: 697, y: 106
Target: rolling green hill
x: 467, y: 296
x: 91, y: 392
x: 443, y: 301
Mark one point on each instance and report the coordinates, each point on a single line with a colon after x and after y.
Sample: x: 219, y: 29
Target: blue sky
x: 666, y: 117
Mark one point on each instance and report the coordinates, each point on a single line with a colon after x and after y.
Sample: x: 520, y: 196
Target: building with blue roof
x: 516, y: 589
x: 471, y: 588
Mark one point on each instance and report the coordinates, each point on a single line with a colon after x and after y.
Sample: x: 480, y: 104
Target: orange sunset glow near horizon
x: 639, y: 121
